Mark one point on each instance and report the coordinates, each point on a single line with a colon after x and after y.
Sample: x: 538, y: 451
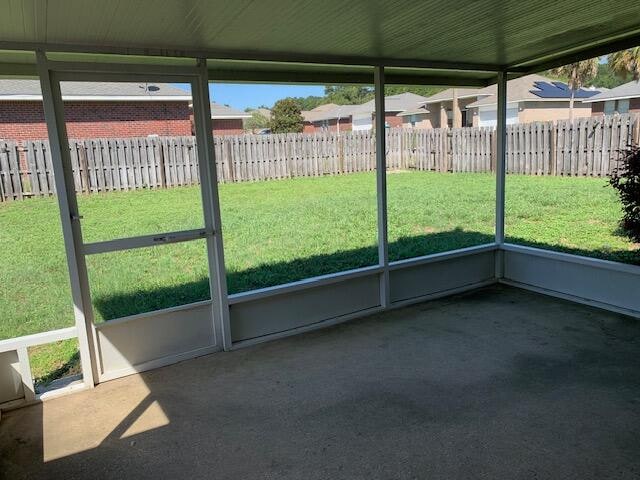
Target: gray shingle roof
x: 447, y: 94
x: 393, y: 103
x: 222, y: 111
x: 628, y: 90
x: 104, y: 90
x: 329, y: 111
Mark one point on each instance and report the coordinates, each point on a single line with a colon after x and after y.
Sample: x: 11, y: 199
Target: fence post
x: 163, y: 175
x: 401, y: 160
x: 494, y: 153
x: 2, y: 197
x: 445, y: 150
x: 16, y: 178
x: 228, y: 157
x: 635, y: 132
x: 84, y: 167
x: 553, y: 154
x: 340, y: 154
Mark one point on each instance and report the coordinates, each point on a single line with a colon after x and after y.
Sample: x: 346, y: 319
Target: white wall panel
x: 10, y: 379
x: 441, y: 274
x: 127, y: 345
x: 289, y: 310
x: 596, y: 282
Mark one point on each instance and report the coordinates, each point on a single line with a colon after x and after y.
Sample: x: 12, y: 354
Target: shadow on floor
x: 497, y: 383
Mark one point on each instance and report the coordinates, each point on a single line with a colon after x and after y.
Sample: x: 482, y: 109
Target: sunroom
x: 383, y: 346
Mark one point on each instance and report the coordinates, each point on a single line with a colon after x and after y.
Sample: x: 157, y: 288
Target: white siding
x: 487, y: 116
x: 362, y: 122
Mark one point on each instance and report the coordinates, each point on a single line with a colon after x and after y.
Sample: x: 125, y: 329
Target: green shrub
x: 626, y: 180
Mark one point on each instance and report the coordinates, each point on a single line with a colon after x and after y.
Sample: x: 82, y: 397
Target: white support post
x: 381, y: 184
x: 501, y: 142
x: 25, y: 373
x: 211, y: 204
x: 69, y: 218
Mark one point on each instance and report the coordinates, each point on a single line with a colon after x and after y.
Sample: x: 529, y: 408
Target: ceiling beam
x: 247, y: 55
x: 18, y: 70
x: 329, y: 78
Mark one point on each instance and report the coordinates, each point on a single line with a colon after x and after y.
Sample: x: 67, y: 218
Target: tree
x: 286, y: 117
x: 257, y: 121
x: 577, y: 74
x: 605, y: 78
x: 347, y: 94
x: 310, y: 102
x: 423, y: 90
x: 626, y: 63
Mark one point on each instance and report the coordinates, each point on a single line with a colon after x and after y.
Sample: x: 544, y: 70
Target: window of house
x: 623, y: 106
x: 609, y: 107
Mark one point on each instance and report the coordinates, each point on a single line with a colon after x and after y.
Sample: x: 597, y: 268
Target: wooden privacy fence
x: 586, y: 147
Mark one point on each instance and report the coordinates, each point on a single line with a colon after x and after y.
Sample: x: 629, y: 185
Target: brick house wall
x: 392, y: 119
x: 329, y: 125
x: 227, y: 126
x: 222, y: 126
x: 24, y: 120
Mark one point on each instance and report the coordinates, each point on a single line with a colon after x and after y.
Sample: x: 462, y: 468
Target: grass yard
x: 277, y: 232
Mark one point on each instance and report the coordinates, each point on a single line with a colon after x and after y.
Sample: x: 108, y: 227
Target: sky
x: 244, y: 95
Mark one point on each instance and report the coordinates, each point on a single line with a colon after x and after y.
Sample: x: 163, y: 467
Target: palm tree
x: 578, y: 74
x: 625, y: 63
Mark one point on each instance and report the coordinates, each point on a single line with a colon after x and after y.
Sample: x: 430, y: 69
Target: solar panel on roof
x: 559, y: 90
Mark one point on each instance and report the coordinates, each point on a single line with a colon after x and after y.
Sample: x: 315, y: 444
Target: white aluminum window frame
x: 52, y: 73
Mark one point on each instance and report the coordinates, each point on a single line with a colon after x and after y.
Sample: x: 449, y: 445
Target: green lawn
x: 276, y: 232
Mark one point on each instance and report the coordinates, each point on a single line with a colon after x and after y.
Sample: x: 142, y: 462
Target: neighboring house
x: 95, y: 109
x: 531, y: 98
x: 328, y: 117
x: 226, y: 120
x: 622, y: 99
x: 265, y: 112
x: 333, y: 118
x: 437, y: 110
x: 363, y: 116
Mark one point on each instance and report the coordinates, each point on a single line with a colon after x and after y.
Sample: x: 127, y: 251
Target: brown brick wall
x: 25, y: 120
x: 315, y: 127
x: 597, y: 108
x: 393, y: 120
x: 230, y: 126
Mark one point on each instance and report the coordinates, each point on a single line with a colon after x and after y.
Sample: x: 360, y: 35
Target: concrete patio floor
x: 497, y: 383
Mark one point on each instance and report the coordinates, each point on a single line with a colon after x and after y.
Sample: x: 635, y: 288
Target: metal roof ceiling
x: 477, y: 36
